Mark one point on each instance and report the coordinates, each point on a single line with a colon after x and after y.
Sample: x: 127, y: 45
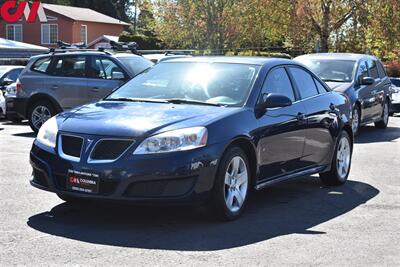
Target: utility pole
x: 135, y: 17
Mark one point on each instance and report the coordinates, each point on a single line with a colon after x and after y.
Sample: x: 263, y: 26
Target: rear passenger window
x: 320, y: 87
x: 373, y: 69
x: 70, y: 66
x: 41, y: 65
x: 305, y: 82
x: 278, y: 82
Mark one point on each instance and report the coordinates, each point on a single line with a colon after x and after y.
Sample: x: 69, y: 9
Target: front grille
x: 110, y: 149
x: 71, y: 146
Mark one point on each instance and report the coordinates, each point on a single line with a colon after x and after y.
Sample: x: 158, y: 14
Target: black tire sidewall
x: 218, y: 203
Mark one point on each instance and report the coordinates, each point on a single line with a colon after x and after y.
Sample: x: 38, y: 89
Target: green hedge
x: 259, y: 54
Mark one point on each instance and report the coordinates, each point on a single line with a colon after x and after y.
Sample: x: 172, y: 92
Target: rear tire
x: 232, y: 185
x: 39, y: 113
x: 383, y: 123
x: 341, y: 162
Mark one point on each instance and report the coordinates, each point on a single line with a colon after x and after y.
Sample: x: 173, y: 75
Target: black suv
x: 362, y: 78
x: 62, y: 80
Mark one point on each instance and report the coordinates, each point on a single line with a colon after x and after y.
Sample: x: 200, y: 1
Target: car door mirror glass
x: 274, y: 101
x: 116, y: 75
x: 367, y: 81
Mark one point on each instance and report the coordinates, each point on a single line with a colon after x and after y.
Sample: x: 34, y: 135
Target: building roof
x: 83, y: 14
x: 105, y: 38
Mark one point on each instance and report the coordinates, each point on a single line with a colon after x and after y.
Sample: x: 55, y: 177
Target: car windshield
x: 136, y: 64
x: 3, y: 71
x: 201, y: 83
x: 332, y: 70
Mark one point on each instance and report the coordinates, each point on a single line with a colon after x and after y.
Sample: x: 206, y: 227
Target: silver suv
x: 62, y: 80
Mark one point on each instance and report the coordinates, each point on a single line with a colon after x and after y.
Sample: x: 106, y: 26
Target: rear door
x: 317, y: 101
x: 282, y: 129
x: 68, y: 80
x: 104, y: 76
x: 365, y: 93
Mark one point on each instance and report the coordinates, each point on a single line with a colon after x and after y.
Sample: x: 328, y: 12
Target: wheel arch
x: 42, y: 97
x: 245, y: 143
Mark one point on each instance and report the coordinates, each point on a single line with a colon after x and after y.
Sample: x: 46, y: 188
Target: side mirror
x: 116, y: 75
x: 6, y: 82
x: 274, y: 101
x: 367, y: 81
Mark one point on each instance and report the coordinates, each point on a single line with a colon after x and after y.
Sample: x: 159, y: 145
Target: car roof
x: 10, y: 67
x: 107, y: 53
x: 238, y: 60
x: 337, y: 56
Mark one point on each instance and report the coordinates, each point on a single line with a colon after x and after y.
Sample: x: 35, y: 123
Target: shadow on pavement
x: 285, y: 209
x: 370, y: 134
x: 28, y: 135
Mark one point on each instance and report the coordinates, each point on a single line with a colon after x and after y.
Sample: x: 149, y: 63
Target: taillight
x: 19, y: 85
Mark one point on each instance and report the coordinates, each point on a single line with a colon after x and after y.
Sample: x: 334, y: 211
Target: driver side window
x: 278, y: 82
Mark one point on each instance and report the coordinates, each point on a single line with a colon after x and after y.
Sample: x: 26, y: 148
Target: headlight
x: 179, y: 140
x: 48, y: 133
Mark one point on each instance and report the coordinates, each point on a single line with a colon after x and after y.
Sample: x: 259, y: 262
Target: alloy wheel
x: 343, y: 158
x: 39, y: 116
x: 236, y: 183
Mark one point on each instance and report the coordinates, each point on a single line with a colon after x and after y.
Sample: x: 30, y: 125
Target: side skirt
x: 265, y: 183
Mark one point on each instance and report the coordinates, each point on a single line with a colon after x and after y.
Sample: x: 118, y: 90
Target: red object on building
x: 65, y: 23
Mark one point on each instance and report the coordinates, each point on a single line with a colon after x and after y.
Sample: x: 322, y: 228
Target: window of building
x: 49, y: 33
x: 14, y: 32
x: 84, y: 34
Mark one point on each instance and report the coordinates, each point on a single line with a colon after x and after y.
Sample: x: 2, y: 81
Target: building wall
x: 68, y: 30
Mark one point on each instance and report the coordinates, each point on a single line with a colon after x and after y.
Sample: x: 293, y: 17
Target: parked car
x: 198, y: 129
x: 10, y: 95
x: 395, y: 106
x: 62, y: 80
x: 2, y: 105
x: 9, y: 75
x: 362, y: 77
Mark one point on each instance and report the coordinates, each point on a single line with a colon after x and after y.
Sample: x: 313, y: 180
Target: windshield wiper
x: 333, y: 81
x: 144, y: 100
x: 194, y: 102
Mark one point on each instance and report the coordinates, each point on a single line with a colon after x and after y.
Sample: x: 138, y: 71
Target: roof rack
x: 64, y: 47
x: 121, y: 46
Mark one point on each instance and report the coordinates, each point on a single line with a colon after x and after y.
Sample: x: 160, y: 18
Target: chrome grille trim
x: 96, y: 161
x: 65, y: 156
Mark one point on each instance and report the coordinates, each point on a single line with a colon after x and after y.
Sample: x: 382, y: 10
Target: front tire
x: 341, y: 163
x: 232, y: 184
x: 356, y: 120
x: 383, y: 123
x: 39, y: 113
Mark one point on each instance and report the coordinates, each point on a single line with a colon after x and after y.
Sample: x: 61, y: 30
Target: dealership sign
x: 11, y: 11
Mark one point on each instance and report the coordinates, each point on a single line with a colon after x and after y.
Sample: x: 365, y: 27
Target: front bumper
x: 183, y: 177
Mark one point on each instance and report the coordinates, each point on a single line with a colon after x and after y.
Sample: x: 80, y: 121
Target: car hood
x: 133, y: 119
x: 339, y: 87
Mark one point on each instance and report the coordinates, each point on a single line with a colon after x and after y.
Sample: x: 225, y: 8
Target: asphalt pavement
x: 299, y: 223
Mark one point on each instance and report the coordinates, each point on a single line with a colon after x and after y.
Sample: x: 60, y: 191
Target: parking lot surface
x: 295, y: 223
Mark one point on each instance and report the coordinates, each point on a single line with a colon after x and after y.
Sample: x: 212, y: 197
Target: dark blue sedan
x: 205, y: 130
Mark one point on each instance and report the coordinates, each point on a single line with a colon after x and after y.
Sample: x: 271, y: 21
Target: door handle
x: 54, y: 87
x: 95, y: 89
x: 301, y: 116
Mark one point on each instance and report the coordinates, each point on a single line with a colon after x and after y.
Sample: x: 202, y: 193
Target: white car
x: 395, y: 106
x: 2, y: 105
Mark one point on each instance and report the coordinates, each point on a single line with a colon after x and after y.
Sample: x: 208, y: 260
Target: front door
x: 104, y: 76
x: 282, y: 130
x: 365, y: 93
